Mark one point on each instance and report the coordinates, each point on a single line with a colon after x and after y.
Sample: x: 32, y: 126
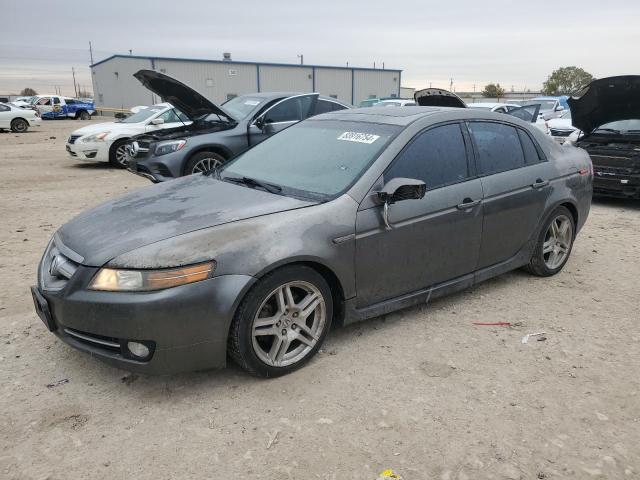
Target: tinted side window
x: 437, y: 157
x: 337, y: 106
x: 291, y: 110
x: 498, y: 147
x: 4, y: 108
x: 531, y: 155
x: 322, y: 106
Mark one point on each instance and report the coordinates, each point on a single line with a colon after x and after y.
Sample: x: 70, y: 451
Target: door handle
x: 539, y: 183
x: 467, y: 203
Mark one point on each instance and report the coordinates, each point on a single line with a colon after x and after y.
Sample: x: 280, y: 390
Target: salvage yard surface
x: 424, y: 391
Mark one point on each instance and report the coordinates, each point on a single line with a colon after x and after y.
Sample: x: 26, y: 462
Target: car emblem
x: 133, y: 148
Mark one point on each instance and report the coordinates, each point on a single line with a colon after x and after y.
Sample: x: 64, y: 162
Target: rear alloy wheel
x: 554, y: 244
x: 204, y: 162
x: 118, y: 156
x: 83, y: 115
x: 19, y: 125
x: 282, y: 322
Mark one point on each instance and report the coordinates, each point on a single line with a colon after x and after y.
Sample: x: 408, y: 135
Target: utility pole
x: 383, y: 65
x: 347, y: 64
x: 91, y: 52
x: 451, y: 85
x: 75, y: 87
x: 301, y: 57
x: 374, y: 64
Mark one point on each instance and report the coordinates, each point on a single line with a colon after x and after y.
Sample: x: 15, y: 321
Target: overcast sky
x: 473, y: 42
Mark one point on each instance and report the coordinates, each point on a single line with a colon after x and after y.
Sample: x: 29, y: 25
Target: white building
x: 114, y: 86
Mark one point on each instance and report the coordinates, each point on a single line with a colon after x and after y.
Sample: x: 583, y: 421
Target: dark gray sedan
x: 215, y: 134
x: 340, y: 218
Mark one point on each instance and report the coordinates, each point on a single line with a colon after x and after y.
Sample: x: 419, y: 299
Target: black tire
x: 83, y: 115
x: 539, y: 265
x: 19, y: 125
x: 197, y: 161
x: 240, y: 341
x: 115, y: 154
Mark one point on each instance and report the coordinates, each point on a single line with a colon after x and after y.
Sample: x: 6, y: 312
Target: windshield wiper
x: 252, y: 182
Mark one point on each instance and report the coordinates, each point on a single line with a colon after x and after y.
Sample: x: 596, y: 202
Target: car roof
x: 274, y: 95
x: 404, y: 116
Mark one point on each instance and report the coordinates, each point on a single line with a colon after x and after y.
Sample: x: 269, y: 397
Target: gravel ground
x: 422, y: 391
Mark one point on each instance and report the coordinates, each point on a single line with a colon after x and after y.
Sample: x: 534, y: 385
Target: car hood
x: 606, y: 100
x: 104, y: 127
x: 184, y: 98
x: 163, y: 211
x: 437, y: 97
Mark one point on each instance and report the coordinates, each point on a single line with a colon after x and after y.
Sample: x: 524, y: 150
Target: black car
x: 217, y: 133
x: 608, y: 113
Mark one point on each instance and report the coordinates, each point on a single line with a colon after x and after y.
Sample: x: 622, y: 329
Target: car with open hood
x: 216, y: 133
x: 107, y: 141
x: 339, y: 218
x: 607, y: 112
x: 439, y: 97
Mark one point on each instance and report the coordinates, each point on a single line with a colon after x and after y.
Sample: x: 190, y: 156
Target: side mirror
x: 398, y: 190
x: 559, y: 108
x: 157, y: 121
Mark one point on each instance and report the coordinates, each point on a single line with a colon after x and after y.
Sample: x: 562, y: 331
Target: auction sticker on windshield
x: 358, y: 137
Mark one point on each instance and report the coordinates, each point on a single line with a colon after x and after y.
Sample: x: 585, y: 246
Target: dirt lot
x: 422, y: 391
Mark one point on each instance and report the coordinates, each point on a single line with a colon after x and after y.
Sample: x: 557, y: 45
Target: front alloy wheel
x: 118, y: 156
x: 282, y: 321
x: 288, y: 324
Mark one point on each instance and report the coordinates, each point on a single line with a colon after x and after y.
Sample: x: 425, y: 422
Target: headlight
x: 120, y: 280
x: 97, y: 137
x: 169, y: 147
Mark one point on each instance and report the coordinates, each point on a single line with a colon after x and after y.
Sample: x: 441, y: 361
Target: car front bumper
x: 96, y: 151
x: 158, y: 169
x: 35, y: 121
x: 186, y: 327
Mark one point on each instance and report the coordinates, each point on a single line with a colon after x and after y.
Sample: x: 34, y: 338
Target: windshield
x: 315, y: 159
x: 240, y: 107
x: 621, y: 126
x: 143, y: 114
x: 545, y: 105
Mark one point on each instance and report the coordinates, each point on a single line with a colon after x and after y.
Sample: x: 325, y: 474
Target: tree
x: 84, y: 94
x: 28, y: 92
x: 493, y: 90
x: 566, y: 80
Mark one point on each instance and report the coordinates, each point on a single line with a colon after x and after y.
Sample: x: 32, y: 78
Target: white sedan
x: 106, y: 142
x: 17, y: 119
x: 494, y: 106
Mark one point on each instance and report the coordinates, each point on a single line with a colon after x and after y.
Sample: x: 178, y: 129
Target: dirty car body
x: 217, y: 133
x: 607, y: 111
x: 354, y: 215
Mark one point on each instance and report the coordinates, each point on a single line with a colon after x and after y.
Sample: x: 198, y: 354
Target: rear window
x: 498, y: 147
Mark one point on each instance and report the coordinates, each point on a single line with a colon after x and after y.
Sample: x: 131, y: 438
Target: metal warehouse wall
x: 114, y: 85
x: 214, y: 80
x: 218, y: 80
x: 286, y: 79
x: 380, y: 83
x: 333, y: 81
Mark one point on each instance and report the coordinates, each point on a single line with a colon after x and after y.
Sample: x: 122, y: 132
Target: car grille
x: 73, y: 138
x: 600, y: 170
x: 57, y: 266
x: 560, y: 133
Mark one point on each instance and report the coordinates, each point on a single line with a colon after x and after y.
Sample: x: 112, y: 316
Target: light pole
x: 301, y: 57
